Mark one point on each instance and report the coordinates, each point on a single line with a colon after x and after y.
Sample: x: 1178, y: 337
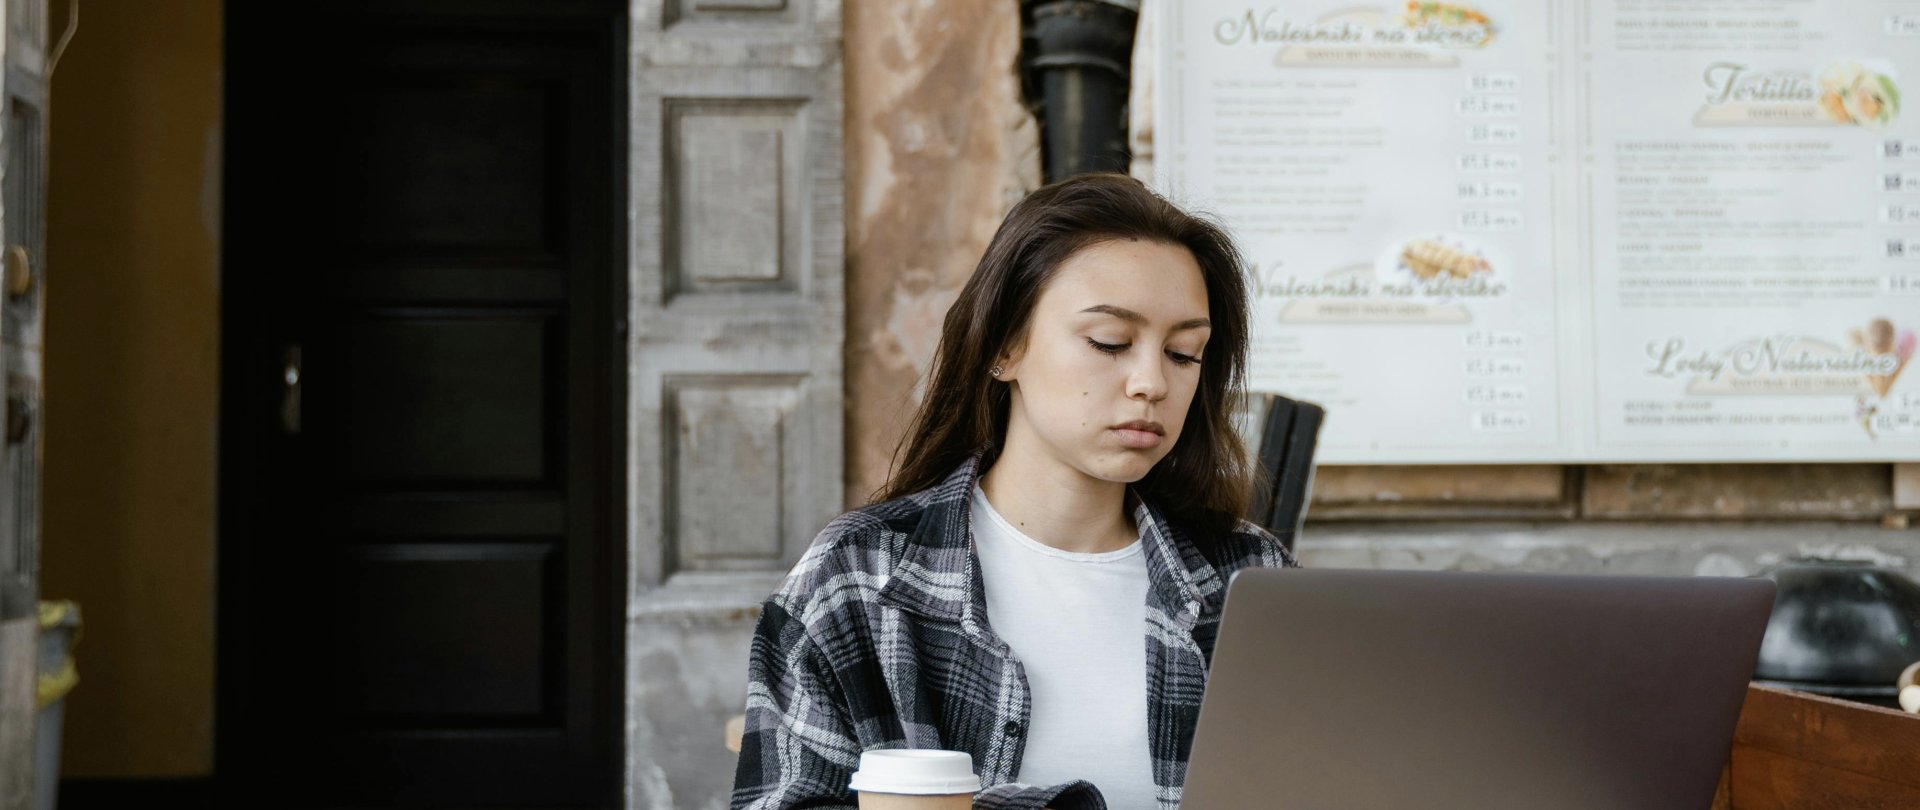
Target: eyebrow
x: 1134, y: 317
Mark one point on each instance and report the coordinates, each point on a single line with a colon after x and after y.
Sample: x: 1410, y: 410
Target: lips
x: 1140, y: 434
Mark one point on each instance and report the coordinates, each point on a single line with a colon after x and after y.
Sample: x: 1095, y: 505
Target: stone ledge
x: 1713, y: 549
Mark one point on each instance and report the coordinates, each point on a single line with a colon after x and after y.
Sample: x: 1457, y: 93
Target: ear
x: 1009, y: 363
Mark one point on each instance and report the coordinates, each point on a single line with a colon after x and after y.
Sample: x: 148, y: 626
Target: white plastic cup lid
x: 916, y: 772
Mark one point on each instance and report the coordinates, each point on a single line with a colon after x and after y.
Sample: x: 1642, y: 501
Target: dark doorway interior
x: 421, y: 483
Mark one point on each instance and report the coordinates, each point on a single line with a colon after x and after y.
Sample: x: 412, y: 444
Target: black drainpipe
x: 1076, y: 58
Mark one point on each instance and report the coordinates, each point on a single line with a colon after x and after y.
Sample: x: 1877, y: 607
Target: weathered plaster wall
x: 689, y: 674
x: 132, y: 338
x: 939, y: 146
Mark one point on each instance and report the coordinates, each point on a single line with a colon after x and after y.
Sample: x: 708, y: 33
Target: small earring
x: 996, y: 371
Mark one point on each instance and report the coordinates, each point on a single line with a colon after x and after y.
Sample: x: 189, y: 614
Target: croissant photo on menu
x: 1430, y: 258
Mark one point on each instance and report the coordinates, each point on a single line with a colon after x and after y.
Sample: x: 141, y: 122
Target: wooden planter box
x: 1798, y: 750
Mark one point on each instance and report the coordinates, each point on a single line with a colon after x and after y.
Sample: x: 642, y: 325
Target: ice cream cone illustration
x: 1881, y: 339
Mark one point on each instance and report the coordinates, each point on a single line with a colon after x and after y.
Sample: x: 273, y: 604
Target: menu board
x: 1577, y: 230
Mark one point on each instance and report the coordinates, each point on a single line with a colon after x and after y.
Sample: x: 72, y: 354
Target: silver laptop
x: 1400, y: 689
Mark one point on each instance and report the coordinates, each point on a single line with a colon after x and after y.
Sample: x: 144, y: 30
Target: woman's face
x: 1114, y: 340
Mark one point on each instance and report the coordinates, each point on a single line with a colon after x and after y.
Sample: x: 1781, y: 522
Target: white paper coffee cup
x: 916, y: 772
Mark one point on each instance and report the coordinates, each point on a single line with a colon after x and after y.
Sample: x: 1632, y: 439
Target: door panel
x: 445, y: 398
x: 410, y: 607
x: 738, y: 338
x: 421, y: 306
x: 453, y: 160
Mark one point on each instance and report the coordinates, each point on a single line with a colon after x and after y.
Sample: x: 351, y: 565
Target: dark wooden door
x: 420, y: 600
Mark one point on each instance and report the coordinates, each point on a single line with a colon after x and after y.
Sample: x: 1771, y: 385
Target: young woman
x: 1040, y: 582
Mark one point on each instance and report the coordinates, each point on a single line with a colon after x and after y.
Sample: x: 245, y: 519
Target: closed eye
x: 1116, y: 348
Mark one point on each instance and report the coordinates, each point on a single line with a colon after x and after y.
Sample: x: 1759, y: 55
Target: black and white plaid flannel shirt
x: 878, y: 638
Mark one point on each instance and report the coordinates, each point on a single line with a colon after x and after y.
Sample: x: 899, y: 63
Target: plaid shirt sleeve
x: 799, y: 749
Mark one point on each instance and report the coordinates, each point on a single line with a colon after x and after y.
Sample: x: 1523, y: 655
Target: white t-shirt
x: 1077, y: 622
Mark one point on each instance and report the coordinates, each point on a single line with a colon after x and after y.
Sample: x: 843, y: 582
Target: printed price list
x: 1493, y: 82
x: 1898, y: 423
x: 1489, y: 221
x: 1489, y: 106
x: 1501, y: 191
x: 1496, y: 368
x: 1488, y: 363
x: 1500, y: 134
x: 1494, y: 163
x: 1481, y: 340
x: 1908, y: 182
x: 1900, y: 214
x: 1500, y: 421
x: 1500, y: 394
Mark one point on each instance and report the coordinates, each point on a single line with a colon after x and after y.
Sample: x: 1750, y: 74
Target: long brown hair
x: 1204, y: 481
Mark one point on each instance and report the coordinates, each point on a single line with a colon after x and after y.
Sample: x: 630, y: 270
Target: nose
x: 1147, y: 380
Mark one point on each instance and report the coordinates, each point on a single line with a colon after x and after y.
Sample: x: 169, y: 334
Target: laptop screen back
x: 1372, y: 689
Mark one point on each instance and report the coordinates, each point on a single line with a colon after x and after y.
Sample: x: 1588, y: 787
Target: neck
x: 1056, y: 504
